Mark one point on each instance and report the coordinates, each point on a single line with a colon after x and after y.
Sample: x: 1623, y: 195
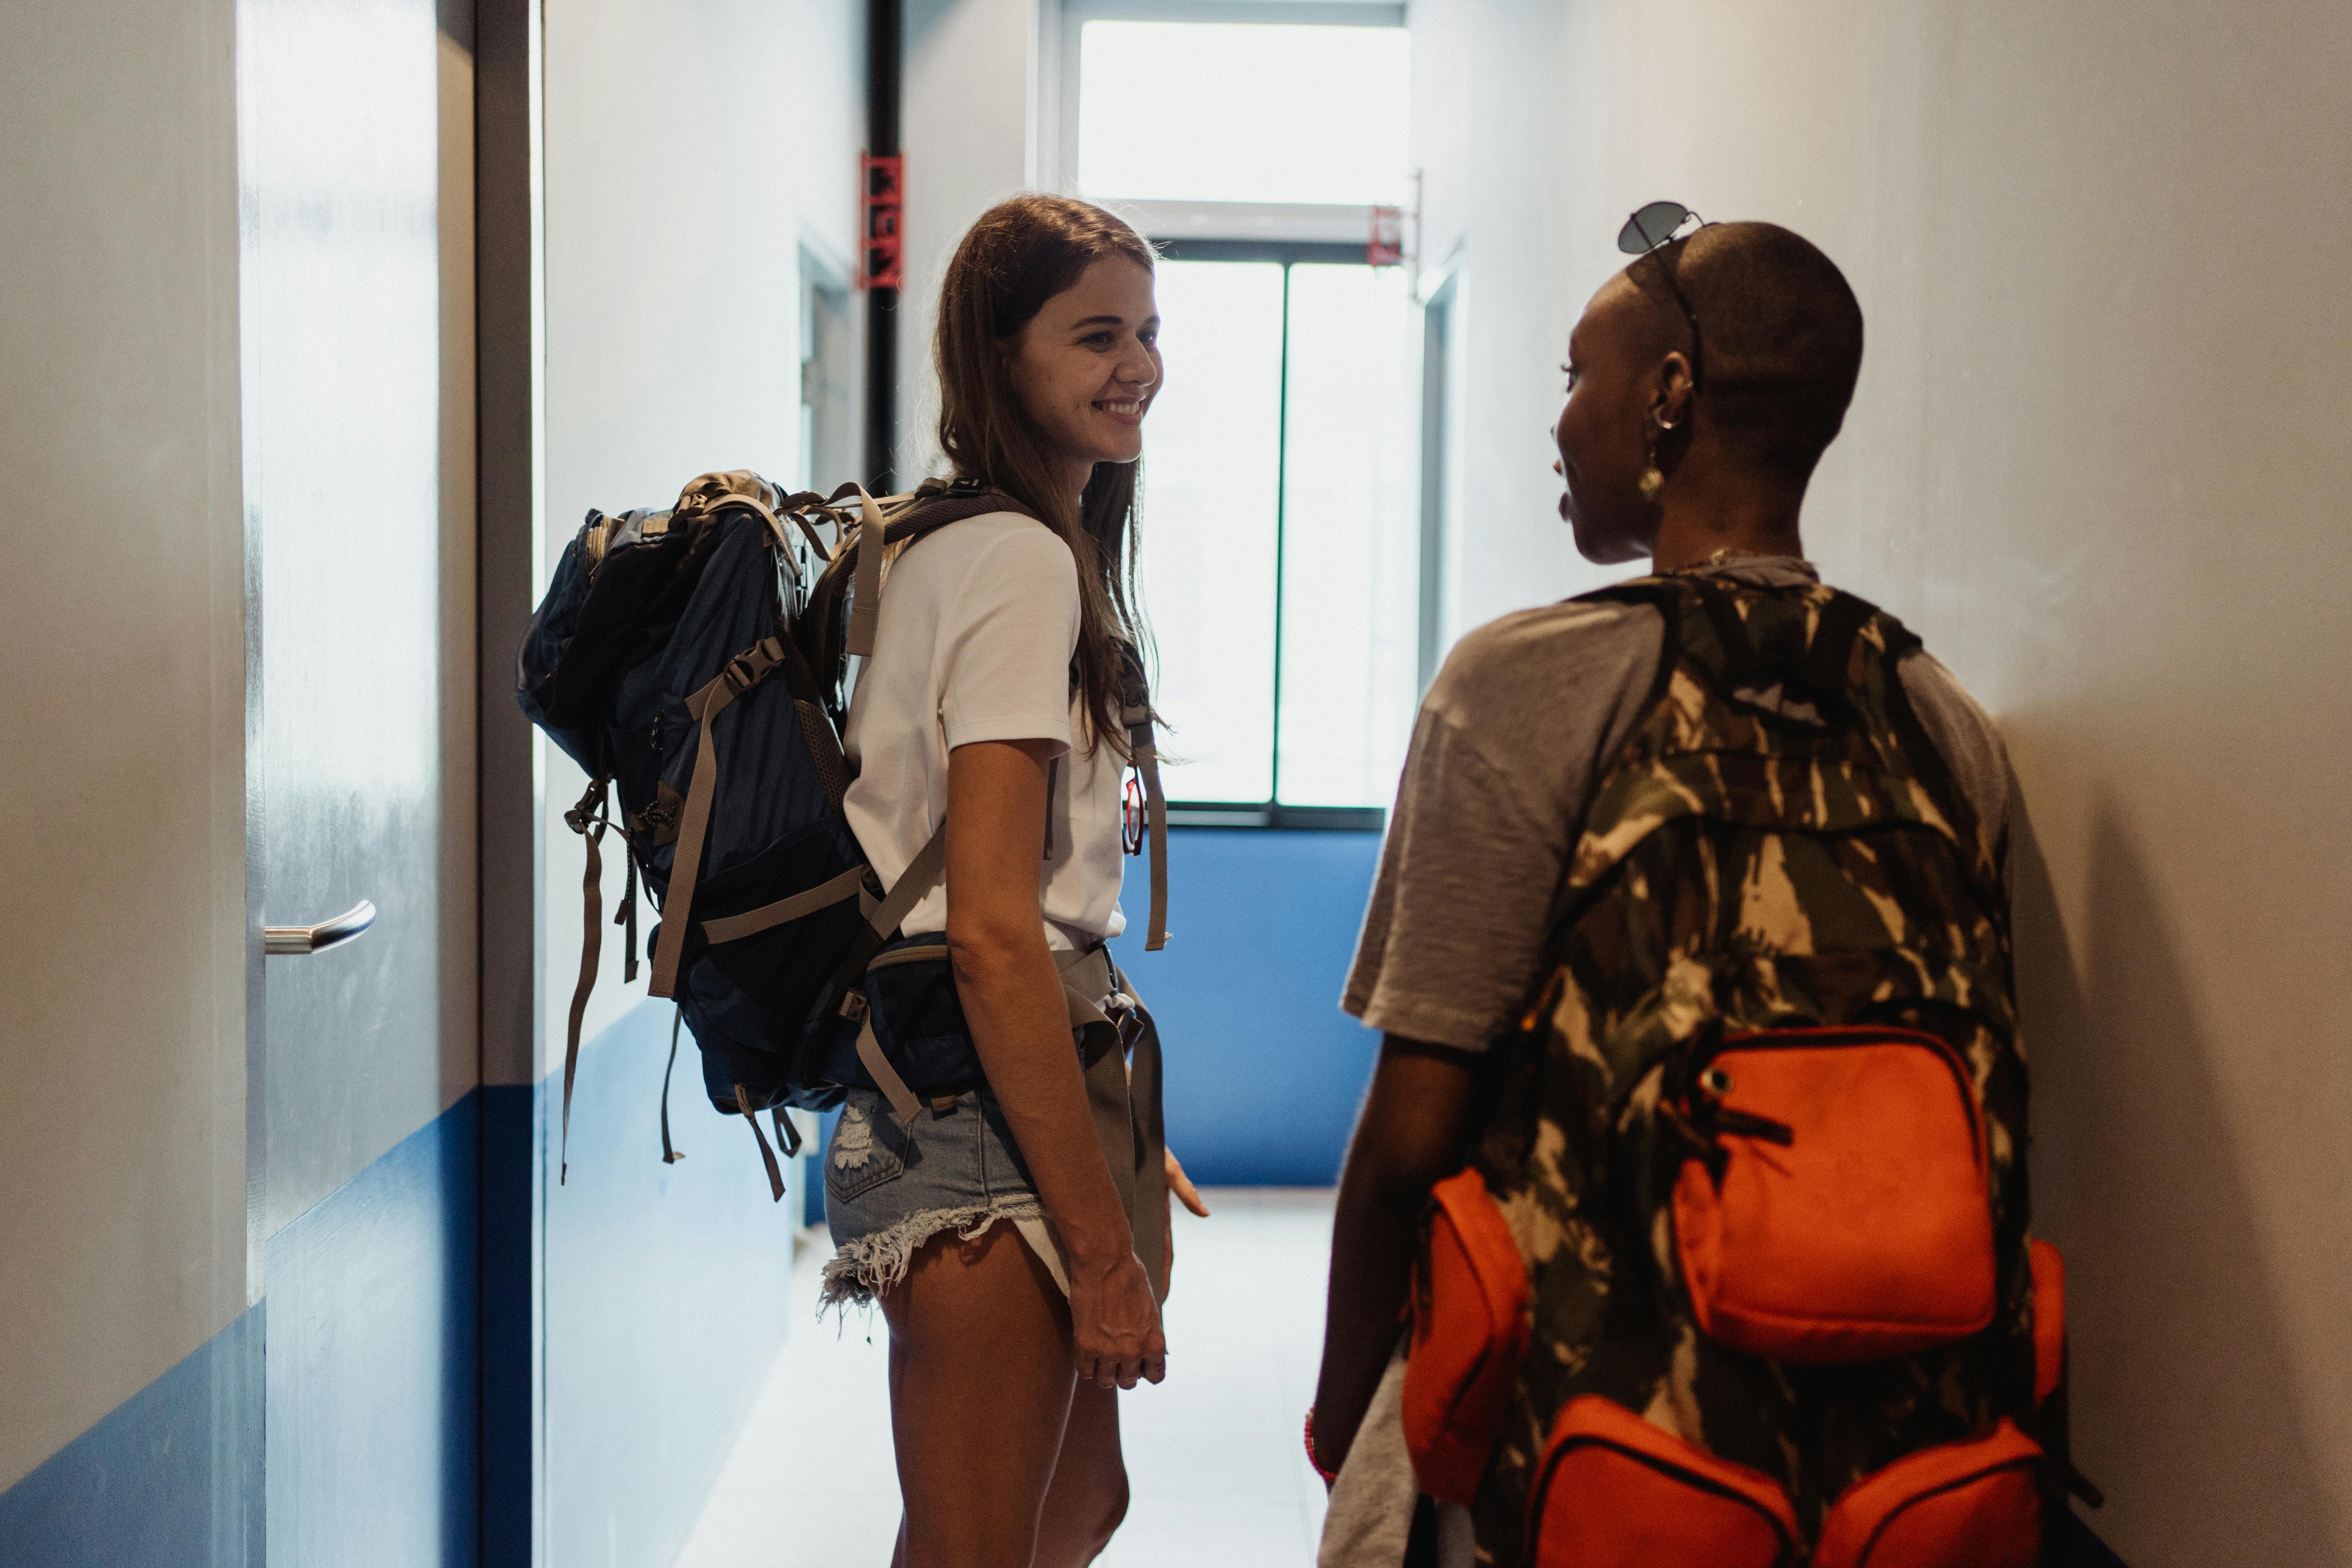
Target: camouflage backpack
x: 1778, y: 844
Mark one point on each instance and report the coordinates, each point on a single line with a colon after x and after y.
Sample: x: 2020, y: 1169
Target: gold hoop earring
x: 1653, y: 480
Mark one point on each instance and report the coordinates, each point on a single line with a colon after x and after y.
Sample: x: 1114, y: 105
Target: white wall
x: 691, y: 150
x: 969, y: 103
x: 1495, y: 182
x: 122, y: 939
x: 2098, y: 460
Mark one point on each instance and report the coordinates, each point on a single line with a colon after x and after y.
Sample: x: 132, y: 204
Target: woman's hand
x: 1185, y: 1192
x: 1117, y: 1324
x: 1182, y: 1185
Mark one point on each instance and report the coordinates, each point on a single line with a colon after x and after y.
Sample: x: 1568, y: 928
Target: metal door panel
x: 341, y: 298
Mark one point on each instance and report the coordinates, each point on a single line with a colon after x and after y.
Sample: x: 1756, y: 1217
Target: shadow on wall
x: 1264, y: 1072
x: 2185, y: 1409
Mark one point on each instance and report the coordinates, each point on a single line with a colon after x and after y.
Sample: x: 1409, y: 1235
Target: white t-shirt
x: 979, y: 622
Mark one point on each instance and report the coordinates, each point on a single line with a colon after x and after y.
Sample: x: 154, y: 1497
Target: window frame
x: 822, y: 279
x: 1285, y: 233
x: 1057, y: 123
x: 1273, y: 813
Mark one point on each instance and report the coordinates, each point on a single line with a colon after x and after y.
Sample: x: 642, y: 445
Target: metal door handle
x: 294, y: 940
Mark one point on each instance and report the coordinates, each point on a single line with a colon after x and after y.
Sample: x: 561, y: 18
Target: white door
x: 357, y: 431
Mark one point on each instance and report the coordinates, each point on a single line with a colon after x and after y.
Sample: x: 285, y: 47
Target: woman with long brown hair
x: 1004, y: 668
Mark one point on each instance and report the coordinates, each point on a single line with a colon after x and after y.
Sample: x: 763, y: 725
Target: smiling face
x: 1614, y: 392
x: 1087, y: 366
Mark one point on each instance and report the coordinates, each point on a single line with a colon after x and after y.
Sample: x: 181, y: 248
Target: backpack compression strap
x: 744, y: 671
x: 914, y: 885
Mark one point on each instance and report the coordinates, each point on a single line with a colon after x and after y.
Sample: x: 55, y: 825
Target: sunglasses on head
x: 1652, y: 226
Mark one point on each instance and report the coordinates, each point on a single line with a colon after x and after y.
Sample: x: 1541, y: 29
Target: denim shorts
x: 888, y: 1189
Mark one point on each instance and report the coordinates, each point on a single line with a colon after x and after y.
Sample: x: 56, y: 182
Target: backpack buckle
x: 854, y: 1006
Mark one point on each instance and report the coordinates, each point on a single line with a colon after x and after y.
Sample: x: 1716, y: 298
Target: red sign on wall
x: 881, y: 182
x: 1386, y: 247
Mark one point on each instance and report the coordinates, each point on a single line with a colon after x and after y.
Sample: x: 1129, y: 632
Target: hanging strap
x: 1121, y: 1059
x: 1145, y: 753
x: 767, y: 1155
x: 589, y: 820
x: 670, y: 1156
x: 626, y: 915
x: 744, y: 671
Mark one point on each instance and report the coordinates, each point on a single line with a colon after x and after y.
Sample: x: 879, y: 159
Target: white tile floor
x: 1213, y: 1452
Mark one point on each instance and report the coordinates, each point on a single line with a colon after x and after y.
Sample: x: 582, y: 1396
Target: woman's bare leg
x: 982, y: 1369
x: 1088, y: 1497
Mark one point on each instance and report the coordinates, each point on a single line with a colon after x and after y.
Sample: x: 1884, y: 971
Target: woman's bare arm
x: 1013, y: 998
x: 1408, y: 1139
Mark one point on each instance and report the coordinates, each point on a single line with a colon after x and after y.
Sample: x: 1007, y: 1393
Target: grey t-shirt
x: 1510, y: 742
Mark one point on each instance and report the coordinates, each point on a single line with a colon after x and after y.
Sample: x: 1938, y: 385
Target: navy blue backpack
x: 693, y: 662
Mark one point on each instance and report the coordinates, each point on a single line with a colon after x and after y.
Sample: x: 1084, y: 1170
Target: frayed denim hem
x: 864, y: 1269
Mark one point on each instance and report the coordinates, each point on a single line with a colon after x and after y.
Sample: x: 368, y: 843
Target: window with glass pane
x: 1206, y: 560
x: 1280, y: 548
x: 1351, y: 624
x: 1242, y: 111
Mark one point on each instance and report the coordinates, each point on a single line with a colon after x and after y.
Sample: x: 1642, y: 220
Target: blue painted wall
x: 335, y: 1422
x: 394, y: 1354
x: 665, y: 1288
x: 1264, y: 1072
x: 171, y: 1478
x: 374, y: 1361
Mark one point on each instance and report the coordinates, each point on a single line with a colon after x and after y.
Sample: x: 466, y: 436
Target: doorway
x: 355, y: 281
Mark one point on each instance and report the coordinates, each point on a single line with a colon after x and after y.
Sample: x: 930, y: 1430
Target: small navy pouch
x: 918, y: 1019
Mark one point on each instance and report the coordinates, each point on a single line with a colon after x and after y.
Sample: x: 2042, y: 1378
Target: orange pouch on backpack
x: 1469, y: 1332
x: 1615, y: 1491
x: 1976, y: 1504
x: 1847, y: 1213
x: 2049, y: 1319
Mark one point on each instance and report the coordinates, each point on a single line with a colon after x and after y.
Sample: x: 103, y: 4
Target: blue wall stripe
x: 169, y: 1478
x: 665, y: 1291
x: 373, y: 1362
x: 1264, y: 1073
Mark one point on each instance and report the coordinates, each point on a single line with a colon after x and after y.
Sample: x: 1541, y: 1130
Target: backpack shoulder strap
x: 927, y: 513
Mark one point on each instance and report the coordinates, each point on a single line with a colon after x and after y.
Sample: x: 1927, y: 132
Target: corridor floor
x: 1213, y: 1452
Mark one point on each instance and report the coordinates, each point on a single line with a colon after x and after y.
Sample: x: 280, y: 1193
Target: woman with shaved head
x: 1689, y: 433
x: 1637, y: 831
